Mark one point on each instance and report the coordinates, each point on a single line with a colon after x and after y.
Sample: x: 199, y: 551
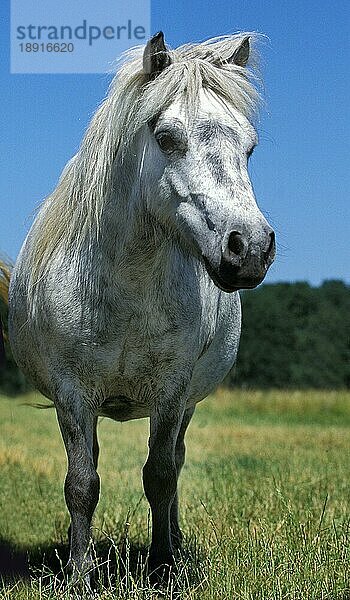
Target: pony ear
x: 240, y: 56
x: 156, y: 56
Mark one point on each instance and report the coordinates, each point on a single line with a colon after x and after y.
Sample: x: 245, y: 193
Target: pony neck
x: 132, y: 243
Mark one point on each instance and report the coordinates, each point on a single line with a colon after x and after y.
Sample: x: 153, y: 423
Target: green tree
x: 294, y: 335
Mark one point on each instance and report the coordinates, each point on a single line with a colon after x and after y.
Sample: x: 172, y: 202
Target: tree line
x: 293, y: 336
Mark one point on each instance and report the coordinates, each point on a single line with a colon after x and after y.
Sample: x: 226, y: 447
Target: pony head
x: 173, y: 137
x: 195, y: 157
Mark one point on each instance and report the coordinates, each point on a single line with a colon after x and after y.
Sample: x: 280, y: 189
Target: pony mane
x: 69, y: 219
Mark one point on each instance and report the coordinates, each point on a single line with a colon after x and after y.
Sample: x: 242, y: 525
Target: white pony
x: 123, y: 301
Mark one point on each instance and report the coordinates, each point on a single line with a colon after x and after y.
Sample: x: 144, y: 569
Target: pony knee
x: 82, y: 490
x: 159, y: 481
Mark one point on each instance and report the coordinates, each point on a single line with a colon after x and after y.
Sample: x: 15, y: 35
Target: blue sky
x: 300, y: 170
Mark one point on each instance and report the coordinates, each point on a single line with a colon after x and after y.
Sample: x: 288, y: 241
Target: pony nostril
x: 269, y: 253
x: 236, y: 243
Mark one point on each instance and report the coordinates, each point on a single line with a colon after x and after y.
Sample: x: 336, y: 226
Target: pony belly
x: 120, y: 408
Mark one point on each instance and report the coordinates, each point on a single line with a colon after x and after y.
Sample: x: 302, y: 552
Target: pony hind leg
x: 82, y: 484
x: 180, y: 451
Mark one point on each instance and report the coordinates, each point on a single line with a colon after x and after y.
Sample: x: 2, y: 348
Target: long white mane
x: 70, y: 216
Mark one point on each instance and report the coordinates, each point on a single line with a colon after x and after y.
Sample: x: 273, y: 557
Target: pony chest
x: 147, y: 338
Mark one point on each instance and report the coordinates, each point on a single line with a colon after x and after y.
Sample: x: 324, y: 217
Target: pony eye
x: 166, y: 142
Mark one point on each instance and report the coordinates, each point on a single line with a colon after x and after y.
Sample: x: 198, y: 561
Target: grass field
x: 265, y: 501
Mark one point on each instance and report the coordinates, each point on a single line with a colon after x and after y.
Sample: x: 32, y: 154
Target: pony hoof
x: 161, y: 569
x: 80, y: 579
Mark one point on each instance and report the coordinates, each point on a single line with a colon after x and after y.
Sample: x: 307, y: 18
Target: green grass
x: 265, y: 501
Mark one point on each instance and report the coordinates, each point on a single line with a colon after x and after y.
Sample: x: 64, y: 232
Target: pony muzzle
x: 243, y: 263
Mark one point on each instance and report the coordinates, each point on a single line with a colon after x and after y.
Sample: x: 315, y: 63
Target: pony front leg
x: 95, y: 455
x: 82, y: 484
x: 180, y: 451
x: 160, y: 477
